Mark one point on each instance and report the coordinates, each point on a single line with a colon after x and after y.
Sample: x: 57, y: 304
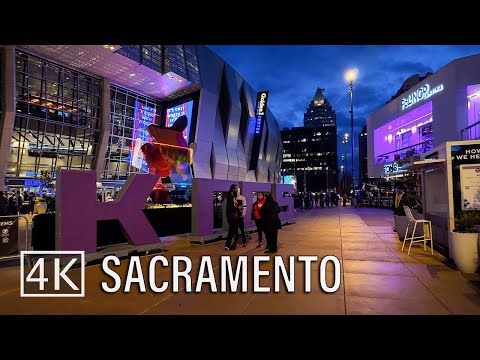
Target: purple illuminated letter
x: 77, y: 210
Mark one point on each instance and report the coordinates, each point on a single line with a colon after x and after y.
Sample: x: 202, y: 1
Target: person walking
x: 232, y: 214
x: 398, y: 203
x: 271, y: 222
x: 3, y: 204
x: 242, y: 207
x: 255, y: 217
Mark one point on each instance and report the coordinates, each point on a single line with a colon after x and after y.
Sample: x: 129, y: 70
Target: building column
x: 104, y: 129
x: 8, y: 116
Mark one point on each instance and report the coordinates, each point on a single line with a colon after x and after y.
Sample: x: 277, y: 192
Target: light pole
x: 345, y: 141
x: 351, y: 75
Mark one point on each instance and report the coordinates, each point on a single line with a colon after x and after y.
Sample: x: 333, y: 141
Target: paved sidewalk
x: 376, y: 277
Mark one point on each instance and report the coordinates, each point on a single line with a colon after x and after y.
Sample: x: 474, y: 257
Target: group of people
x: 12, y: 203
x: 264, y: 214
x: 321, y: 199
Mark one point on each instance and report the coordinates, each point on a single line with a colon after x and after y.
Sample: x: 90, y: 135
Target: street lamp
x: 344, y: 158
x: 351, y: 76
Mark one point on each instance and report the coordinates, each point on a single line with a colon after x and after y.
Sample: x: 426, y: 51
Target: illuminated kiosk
x: 450, y: 175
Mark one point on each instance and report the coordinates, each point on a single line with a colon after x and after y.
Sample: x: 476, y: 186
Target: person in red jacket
x: 257, y: 218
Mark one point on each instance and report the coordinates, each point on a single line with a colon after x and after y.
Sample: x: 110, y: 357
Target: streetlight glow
x: 351, y: 75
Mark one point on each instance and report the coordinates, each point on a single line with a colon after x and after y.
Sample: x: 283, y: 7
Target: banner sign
x: 260, y: 111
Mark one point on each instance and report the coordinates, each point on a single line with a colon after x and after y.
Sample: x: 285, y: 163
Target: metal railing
x: 26, y: 235
x: 470, y: 132
x: 405, y: 152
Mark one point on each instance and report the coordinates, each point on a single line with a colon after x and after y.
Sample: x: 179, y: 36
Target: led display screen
x: 143, y: 116
x: 290, y: 179
x: 174, y: 112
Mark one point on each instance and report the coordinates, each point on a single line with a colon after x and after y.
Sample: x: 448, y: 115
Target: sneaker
x: 227, y: 248
x: 259, y: 245
x: 244, y: 244
x: 236, y: 244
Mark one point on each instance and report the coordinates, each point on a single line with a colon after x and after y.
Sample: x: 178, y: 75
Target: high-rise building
x: 310, y: 151
x: 362, y: 156
x: 319, y: 112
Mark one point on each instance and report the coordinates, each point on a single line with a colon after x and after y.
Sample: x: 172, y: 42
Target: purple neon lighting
x: 473, y: 103
x: 384, y: 136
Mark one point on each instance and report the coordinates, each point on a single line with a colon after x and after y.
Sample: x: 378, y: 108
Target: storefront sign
x: 8, y: 236
x: 470, y: 185
x: 421, y: 94
x: 465, y: 154
x: 390, y: 168
x: 260, y: 112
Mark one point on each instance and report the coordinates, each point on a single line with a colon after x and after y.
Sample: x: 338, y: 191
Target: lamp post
x: 350, y: 76
x: 345, y: 141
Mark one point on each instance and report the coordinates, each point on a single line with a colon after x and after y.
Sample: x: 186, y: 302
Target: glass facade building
x: 57, y: 118
x: 125, y: 108
x: 426, y: 112
x: 87, y: 107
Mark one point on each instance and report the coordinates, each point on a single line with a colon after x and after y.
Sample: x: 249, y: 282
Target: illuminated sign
x: 390, y: 168
x: 144, y: 116
x: 290, y: 179
x: 35, y: 183
x: 173, y: 113
x: 260, y: 112
x: 421, y: 94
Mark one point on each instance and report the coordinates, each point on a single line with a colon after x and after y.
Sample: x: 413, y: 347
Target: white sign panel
x: 470, y: 185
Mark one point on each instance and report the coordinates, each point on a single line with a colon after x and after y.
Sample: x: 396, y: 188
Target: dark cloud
x: 293, y: 73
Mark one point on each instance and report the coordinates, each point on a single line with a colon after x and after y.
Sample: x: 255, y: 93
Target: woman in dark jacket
x: 233, y: 213
x: 271, y: 222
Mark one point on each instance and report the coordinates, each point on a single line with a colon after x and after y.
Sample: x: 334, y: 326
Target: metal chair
x: 427, y: 231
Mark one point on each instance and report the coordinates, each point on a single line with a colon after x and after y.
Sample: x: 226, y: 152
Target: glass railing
x: 405, y: 152
x: 471, y: 132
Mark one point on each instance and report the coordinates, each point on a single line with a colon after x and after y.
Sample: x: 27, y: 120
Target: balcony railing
x: 405, y: 152
x: 471, y: 132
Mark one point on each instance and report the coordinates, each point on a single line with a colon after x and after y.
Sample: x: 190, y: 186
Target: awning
x: 424, y: 164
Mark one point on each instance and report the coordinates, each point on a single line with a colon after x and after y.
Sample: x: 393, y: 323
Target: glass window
x: 117, y: 164
x: 119, y: 109
x: 121, y: 98
x: 131, y: 101
x: 48, y: 99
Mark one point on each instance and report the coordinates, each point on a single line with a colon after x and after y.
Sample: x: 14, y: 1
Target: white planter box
x: 463, y: 249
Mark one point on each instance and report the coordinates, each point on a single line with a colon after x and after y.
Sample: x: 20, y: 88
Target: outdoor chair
x: 427, y: 231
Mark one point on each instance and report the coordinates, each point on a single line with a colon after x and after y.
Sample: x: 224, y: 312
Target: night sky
x: 292, y: 73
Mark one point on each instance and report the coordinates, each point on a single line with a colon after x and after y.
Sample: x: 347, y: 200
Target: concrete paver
x: 376, y: 277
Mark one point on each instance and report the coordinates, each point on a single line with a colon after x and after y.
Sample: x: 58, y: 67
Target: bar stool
x: 427, y: 231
